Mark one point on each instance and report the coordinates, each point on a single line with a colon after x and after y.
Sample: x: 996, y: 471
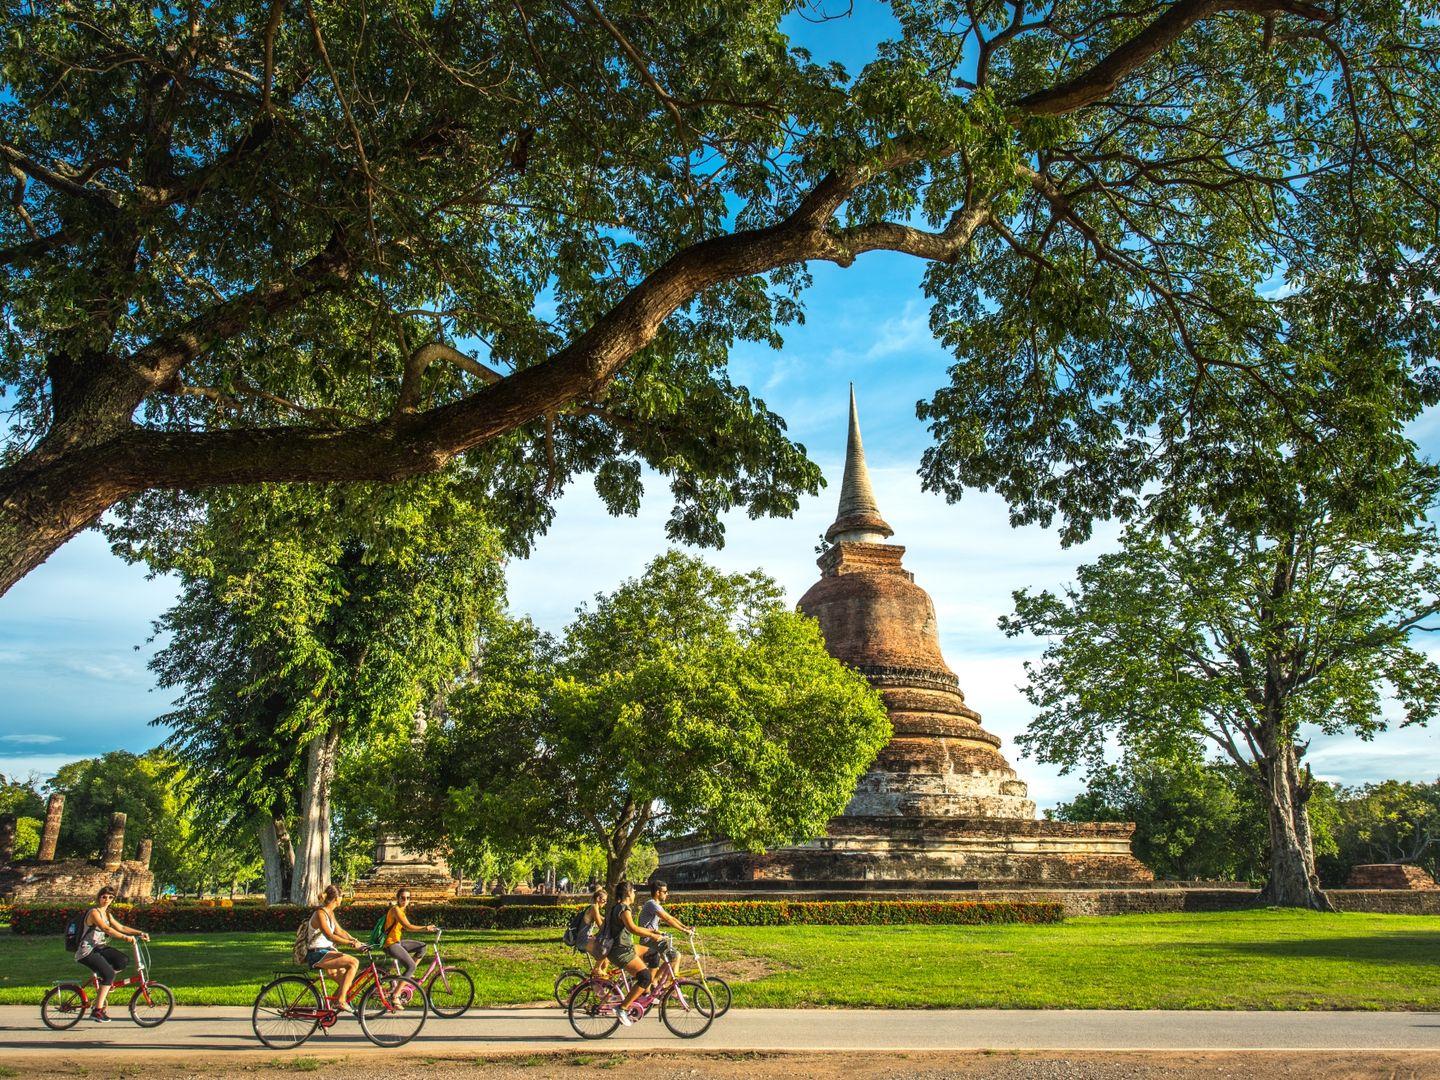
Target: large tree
x: 309, y: 620
x: 313, y: 241
x: 687, y: 701
x: 1236, y: 631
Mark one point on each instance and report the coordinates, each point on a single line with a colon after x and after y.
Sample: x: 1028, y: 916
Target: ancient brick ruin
x: 45, y: 878
x: 1390, y: 876
x: 940, y: 806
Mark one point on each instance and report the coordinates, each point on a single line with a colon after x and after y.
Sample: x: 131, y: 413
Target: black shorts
x: 105, y: 962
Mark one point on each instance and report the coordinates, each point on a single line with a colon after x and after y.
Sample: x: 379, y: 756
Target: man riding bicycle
x: 652, y: 914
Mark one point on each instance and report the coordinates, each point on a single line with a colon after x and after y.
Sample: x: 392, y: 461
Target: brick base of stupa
x: 865, y: 851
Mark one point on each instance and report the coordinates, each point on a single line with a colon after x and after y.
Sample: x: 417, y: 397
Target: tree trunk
x: 279, y: 858
x: 312, y: 859
x: 1291, y: 881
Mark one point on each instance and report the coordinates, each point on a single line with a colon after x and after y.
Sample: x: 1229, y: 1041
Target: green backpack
x: 377, y: 935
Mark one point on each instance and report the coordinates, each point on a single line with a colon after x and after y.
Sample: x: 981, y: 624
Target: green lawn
x: 1245, y: 960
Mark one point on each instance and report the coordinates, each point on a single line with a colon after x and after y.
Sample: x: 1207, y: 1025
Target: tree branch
x: 1101, y: 79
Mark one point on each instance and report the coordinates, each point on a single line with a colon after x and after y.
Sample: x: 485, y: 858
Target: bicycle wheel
x: 720, y: 991
x: 451, y: 992
x: 592, y: 1009
x: 286, y: 1013
x: 62, y: 1006
x: 688, y: 1010
x: 393, y: 1010
x: 565, y: 984
x: 152, y: 1005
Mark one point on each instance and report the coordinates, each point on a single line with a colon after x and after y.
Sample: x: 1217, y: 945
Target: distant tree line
x: 1205, y: 820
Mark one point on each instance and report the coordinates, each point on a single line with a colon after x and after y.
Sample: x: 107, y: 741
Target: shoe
x: 626, y: 1019
x: 100, y: 1016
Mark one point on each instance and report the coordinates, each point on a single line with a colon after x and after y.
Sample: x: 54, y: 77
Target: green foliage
x: 1389, y: 821
x: 228, y: 234
x: 687, y: 701
x: 306, y: 611
x: 20, y: 797
x: 1194, y: 819
x: 27, y: 837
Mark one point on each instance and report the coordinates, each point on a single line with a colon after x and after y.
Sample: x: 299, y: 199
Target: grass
x: 1231, y: 960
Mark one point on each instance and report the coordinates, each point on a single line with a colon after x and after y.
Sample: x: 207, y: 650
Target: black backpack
x: 72, y: 935
x: 575, y: 931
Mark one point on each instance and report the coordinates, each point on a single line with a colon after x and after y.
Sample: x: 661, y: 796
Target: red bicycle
x: 289, y: 1008
x: 150, y: 1006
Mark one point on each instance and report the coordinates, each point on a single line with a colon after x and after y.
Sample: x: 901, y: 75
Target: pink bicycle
x: 450, y: 990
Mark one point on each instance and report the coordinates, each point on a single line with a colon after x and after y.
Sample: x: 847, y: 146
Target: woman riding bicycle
x: 594, y: 926
x: 405, y: 951
x: 322, y: 955
x: 99, y: 957
x: 622, y: 929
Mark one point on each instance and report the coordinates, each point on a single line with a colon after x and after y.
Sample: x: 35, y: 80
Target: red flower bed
x: 191, y: 917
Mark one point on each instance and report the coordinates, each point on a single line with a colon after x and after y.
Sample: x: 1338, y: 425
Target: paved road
x: 213, y: 1031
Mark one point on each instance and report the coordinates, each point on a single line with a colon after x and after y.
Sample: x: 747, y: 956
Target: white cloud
x: 40, y: 766
x: 903, y: 334
x: 29, y: 739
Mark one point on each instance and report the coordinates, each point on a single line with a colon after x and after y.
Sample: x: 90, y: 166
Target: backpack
x: 575, y: 932
x: 302, y: 942
x: 377, y: 935
x: 72, y: 935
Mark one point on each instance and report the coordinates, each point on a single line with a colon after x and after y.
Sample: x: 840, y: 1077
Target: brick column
x: 142, y: 854
x: 111, y: 854
x: 50, y: 835
x: 7, y: 839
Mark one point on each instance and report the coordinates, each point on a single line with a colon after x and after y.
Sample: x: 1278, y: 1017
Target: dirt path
x: 886, y: 1065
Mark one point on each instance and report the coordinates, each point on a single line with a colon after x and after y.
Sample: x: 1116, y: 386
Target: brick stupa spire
x: 858, y: 518
x: 941, y: 762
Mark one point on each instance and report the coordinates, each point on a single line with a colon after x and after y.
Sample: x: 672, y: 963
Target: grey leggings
x: 407, y: 953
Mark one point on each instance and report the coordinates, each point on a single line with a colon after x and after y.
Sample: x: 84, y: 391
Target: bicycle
x: 150, y: 1006
x: 571, y: 977
x: 455, y: 986
x: 289, y: 1008
x: 718, y: 987
x: 594, y: 1005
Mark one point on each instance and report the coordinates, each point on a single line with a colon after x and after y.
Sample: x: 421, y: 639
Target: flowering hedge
x: 359, y: 918
x: 170, y: 918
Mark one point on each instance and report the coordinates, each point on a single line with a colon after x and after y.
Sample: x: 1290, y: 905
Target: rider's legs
x: 407, y: 954
x: 104, y: 962
x: 342, y: 968
x: 640, y: 977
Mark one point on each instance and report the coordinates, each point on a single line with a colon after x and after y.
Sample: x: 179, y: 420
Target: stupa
x: 940, y: 807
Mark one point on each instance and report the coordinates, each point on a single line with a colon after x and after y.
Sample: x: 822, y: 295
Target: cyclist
x: 594, y: 926
x: 622, y: 929
x: 99, y: 957
x: 405, y: 951
x: 325, y: 931
x: 652, y: 914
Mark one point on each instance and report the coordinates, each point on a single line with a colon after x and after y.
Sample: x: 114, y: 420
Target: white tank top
x: 318, y: 938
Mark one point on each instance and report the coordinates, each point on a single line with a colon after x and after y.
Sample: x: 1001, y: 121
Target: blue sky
x: 76, y: 683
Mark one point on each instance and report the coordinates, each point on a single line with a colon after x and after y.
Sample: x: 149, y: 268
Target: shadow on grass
x: 1401, y: 948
